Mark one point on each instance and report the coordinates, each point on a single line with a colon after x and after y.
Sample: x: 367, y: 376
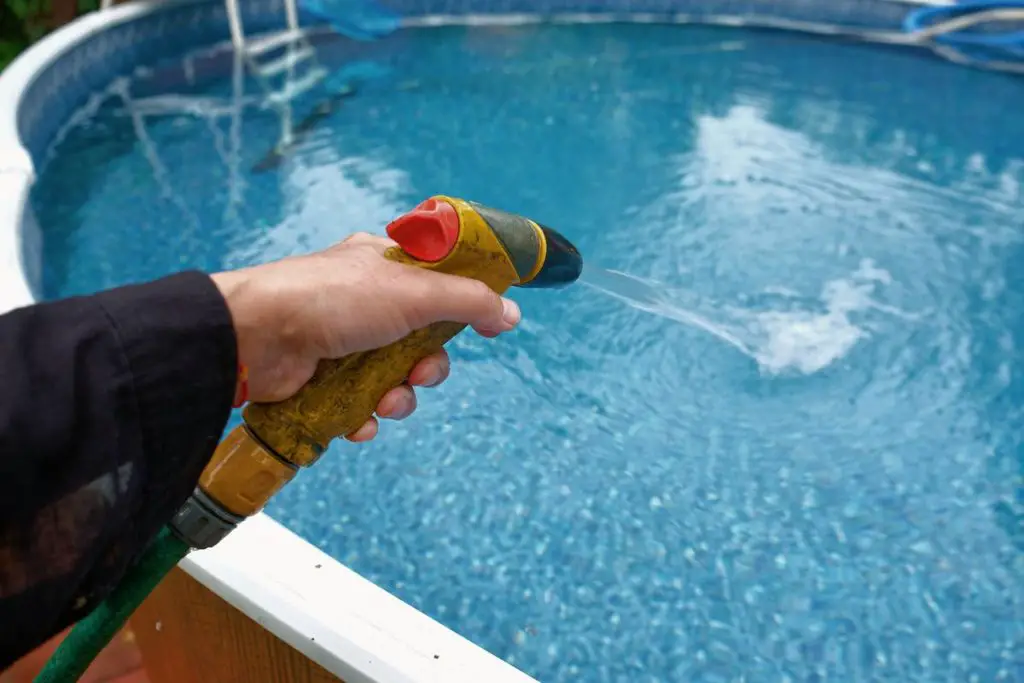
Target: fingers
x: 364, y: 433
x: 431, y: 371
x: 510, y: 317
x: 400, y: 402
x: 443, y: 297
x: 463, y: 300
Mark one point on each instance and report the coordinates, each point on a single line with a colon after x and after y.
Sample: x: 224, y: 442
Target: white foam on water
x: 779, y: 340
x: 808, y: 341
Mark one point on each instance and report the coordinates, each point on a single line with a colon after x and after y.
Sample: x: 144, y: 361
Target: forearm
x: 110, y: 406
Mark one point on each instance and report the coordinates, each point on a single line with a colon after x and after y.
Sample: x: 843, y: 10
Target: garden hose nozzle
x: 443, y: 234
x: 260, y: 456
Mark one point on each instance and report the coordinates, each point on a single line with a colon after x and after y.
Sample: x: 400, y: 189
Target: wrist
x: 241, y: 386
x: 262, y: 320
x: 233, y: 286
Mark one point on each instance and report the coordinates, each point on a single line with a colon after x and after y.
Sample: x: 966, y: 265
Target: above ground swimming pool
x: 787, y: 449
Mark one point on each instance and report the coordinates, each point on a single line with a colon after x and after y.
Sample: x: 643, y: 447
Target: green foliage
x: 22, y: 22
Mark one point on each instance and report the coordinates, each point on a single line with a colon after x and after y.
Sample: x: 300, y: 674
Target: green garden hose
x: 89, y: 636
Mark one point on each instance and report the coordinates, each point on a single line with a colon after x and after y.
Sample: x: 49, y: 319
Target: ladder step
x: 295, y: 88
x: 263, y: 44
x: 284, y: 62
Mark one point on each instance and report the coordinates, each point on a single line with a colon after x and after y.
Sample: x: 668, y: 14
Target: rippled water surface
x: 793, y: 453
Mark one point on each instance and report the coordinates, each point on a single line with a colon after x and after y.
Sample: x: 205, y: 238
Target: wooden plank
x: 118, y: 660
x: 188, y: 634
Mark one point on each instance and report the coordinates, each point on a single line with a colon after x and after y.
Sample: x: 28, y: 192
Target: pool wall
x: 338, y: 619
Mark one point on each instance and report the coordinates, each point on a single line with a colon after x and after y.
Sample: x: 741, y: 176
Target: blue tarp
x: 989, y: 41
x: 357, y: 19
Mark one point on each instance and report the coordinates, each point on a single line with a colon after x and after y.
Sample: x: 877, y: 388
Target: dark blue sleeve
x: 110, y: 406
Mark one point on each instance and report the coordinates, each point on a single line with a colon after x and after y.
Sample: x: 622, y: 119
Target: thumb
x: 453, y: 298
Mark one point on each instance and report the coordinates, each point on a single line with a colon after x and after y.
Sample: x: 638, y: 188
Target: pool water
x: 610, y: 494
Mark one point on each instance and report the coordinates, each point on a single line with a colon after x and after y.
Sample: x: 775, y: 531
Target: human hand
x: 291, y: 314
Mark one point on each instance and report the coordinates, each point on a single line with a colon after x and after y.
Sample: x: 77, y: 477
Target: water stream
x: 778, y: 329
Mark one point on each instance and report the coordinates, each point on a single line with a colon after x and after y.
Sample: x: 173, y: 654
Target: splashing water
x: 788, y: 335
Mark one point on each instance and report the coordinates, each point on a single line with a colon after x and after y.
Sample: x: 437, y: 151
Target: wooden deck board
x: 120, y: 662
x: 188, y: 634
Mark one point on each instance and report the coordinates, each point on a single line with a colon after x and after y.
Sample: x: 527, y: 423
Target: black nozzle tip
x: 563, y: 263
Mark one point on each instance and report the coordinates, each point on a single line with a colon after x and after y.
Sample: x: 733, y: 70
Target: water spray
x: 275, y: 440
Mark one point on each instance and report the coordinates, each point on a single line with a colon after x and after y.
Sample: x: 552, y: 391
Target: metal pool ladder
x: 274, y: 59
x: 248, y: 56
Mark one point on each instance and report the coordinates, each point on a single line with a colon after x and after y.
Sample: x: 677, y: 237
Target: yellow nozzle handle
x: 443, y: 234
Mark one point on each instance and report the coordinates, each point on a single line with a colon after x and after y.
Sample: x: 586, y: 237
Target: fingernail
x: 510, y: 312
